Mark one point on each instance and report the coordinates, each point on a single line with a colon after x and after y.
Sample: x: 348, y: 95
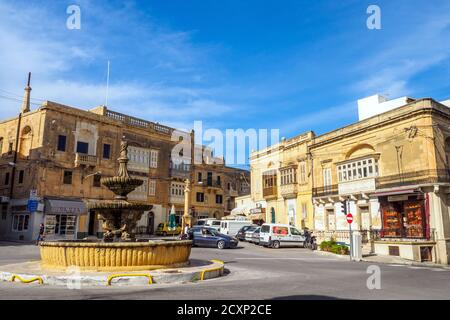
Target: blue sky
x: 290, y: 65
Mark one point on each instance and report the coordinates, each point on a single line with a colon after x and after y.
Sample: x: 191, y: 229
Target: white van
x: 212, y: 223
x: 280, y: 235
x: 231, y: 227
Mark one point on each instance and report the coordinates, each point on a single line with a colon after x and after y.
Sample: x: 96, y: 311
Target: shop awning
x: 256, y: 216
x: 53, y: 206
x: 395, y: 192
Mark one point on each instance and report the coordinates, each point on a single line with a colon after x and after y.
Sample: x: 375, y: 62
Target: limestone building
x: 56, y: 155
x: 281, y: 183
x: 215, y: 186
x: 393, y: 170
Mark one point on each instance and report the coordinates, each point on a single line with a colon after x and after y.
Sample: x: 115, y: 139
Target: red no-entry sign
x: 349, y: 218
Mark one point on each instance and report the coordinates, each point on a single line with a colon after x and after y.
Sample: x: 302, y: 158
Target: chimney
x: 26, y: 97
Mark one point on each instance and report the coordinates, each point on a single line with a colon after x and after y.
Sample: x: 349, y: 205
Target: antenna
x: 107, y: 86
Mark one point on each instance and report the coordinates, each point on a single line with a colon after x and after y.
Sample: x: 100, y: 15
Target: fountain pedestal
x: 117, y: 251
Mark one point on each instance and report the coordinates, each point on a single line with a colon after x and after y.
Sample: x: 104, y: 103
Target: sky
x: 290, y: 65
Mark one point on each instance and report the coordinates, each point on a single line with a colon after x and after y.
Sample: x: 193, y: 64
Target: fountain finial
x: 123, y: 160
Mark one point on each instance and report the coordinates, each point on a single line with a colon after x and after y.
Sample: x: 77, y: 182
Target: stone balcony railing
x: 139, y: 123
x: 176, y: 199
x: 289, y: 190
x: 85, y: 160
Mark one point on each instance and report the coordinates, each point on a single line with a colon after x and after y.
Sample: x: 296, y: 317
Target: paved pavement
x: 256, y: 273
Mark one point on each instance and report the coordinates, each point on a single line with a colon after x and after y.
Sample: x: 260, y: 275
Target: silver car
x: 255, y: 236
x: 249, y: 234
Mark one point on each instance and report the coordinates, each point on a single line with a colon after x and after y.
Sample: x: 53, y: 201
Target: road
x: 254, y: 272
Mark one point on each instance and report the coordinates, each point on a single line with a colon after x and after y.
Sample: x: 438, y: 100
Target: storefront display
x: 403, y: 219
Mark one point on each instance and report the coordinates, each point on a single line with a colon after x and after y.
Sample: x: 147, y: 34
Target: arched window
x: 25, y: 141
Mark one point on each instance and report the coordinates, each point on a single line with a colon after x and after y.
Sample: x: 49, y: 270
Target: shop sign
x: 403, y: 197
x: 32, y: 205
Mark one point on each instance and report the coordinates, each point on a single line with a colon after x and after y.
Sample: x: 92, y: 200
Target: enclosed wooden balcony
x: 270, y: 192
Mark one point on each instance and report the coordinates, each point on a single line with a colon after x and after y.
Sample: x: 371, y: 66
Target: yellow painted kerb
x: 14, y: 277
x: 202, y: 273
x: 113, y: 276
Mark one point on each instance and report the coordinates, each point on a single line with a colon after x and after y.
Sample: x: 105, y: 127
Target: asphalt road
x: 254, y: 272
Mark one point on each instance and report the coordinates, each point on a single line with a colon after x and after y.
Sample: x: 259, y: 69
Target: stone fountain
x: 119, y: 250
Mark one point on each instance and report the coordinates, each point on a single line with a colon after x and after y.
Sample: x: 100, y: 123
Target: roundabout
x: 33, y: 272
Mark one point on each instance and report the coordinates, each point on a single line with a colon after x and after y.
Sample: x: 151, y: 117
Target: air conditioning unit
x: 4, y: 199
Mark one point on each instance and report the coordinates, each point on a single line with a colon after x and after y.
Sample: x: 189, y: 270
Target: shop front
x: 258, y: 215
x: 62, y: 218
x: 405, y: 229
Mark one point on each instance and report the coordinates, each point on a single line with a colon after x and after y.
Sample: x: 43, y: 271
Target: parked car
x: 281, y: 235
x: 211, y: 223
x: 232, y: 227
x: 255, y: 236
x: 241, y: 233
x: 210, y: 237
x: 163, y: 230
x: 249, y: 234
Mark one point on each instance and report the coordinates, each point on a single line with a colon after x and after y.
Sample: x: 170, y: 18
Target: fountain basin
x: 115, y: 256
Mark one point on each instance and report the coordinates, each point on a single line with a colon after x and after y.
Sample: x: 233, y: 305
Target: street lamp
x: 98, y: 173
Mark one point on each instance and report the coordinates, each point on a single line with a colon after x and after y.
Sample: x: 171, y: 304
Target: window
x: 60, y: 224
x: 304, y: 210
x: 177, y: 189
x: 280, y: 231
x: 106, y: 151
x: 153, y: 158
x: 62, y: 143
x: 302, y: 168
x: 96, y: 181
x: 200, y: 197
x: 360, y: 169
x: 152, y: 187
x: 20, y: 222
x: 6, y: 178
x: 21, y: 174
x: 288, y: 176
x: 1, y: 146
x: 10, y: 148
x: 219, y: 198
x: 199, y: 176
x: 67, y: 177
x: 295, y: 232
x: 327, y: 181
x: 218, y: 181
x: 269, y: 179
x: 82, y: 147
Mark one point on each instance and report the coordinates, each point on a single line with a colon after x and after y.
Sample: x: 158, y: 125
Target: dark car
x: 241, y: 233
x: 210, y: 237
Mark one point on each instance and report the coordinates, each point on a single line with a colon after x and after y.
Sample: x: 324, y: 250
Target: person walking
x: 41, y: 235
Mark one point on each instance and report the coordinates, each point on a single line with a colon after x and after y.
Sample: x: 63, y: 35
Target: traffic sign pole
x: 350, y: 221
x: 351, y: 241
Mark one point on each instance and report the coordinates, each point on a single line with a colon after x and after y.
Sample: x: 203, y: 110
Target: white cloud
x: 65, y: 63
x: 399, y: 59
